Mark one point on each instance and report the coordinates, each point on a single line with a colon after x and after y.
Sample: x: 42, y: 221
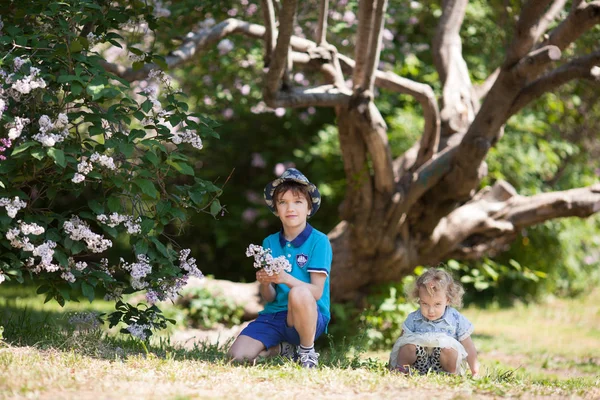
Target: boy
x: 297, y: 309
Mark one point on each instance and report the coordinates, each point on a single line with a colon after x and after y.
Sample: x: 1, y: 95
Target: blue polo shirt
x: 309, y: 252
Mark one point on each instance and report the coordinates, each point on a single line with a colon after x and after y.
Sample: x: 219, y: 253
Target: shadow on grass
x: 52, y: 330
x: 55, y: 330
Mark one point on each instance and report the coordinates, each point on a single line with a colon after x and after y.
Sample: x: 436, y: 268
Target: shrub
x: 95, y: 183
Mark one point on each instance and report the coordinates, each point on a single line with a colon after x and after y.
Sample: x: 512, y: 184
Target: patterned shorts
x: 427, y: 362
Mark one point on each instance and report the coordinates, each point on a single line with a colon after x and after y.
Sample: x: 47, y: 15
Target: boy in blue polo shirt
x: 297, y: 309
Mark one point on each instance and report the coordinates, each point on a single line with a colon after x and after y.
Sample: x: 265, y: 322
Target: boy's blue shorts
x: 271, y: 329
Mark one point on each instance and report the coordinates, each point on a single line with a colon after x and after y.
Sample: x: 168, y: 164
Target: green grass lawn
x: 547, y: 350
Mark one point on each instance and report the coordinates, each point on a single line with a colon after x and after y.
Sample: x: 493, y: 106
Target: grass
x: 548, y: 350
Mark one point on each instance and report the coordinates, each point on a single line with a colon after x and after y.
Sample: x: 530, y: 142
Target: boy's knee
x: 300, y: 295
x: 237, y: 356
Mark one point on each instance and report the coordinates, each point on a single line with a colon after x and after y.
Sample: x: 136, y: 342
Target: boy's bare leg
x: 270, y: 352
x: 245, y: 348
x: 302, y: 314
x: 407, y: 355
x: 448, y: 359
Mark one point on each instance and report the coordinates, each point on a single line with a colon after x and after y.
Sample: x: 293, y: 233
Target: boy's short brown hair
x: 296, y: 188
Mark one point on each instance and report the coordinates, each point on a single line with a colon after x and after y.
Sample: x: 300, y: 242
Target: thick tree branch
x: 270, y: 35
x: 282, y: 49
x: 500, y: 212
x: 480, y: 91
x: 526, y: 31
x: 447, y: 35
x: 321, y: 33
x: 535, y: 62
x: 528, y: 211
x: 412, y: 186
x: 581, y: 68
x: 487, y: 127
x: 549, y: 17
x: 195, y: 42
x: 457, y: 103
x: 472, y: 218
x: 581, y: 19
x: 424, y: 95
x: 374, y: 132
x: 363, y: 40
x: 375, y: 46
x: 324, y: 96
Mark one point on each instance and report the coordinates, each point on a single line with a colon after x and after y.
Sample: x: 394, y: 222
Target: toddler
x: 436, y: 337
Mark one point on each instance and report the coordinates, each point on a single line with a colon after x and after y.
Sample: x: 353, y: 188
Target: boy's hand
x: 263, y: 277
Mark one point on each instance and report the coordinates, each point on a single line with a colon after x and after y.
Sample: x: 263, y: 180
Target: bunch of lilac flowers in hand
x: 264, y: 259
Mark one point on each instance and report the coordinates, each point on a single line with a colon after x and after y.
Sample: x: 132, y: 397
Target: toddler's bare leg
x: 407, y: 355
x: 448, y: 359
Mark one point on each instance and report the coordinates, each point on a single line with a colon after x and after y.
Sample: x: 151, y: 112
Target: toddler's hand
x: 475, y: 371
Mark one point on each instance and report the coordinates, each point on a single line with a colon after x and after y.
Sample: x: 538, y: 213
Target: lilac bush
x: 95, y: 176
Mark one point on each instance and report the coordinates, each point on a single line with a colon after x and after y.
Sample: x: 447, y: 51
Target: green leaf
x: 127, y: 149
x: 76, y: 88
x: 110, y: 230
x: 197, y: 197
x: 65, y: 293
x: 62, y: 258
x: 78, y: 247
x: 76, y: 46
x: 215, y: 208
x: 181, y: 167
x: 147, y: 225
x: 49, y: 296
x: 160, y: 247
x: 43, y: 289
x: 88, y: 291
x: 163, y: 207
x: 137, y: 65
x: 147, y: 106
x: 152, y: 157
x: 147, y: 187
x: 114, y: 204
x: 21, y: 148
x: 95, y: 91
x: 141, y: 247
x: 96, y: 207
x: 58, y: 156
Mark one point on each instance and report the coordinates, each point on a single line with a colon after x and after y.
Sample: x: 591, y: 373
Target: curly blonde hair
x: 436, y: 280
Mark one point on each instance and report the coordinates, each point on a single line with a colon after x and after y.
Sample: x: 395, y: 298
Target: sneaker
x: 288, y: 350
x: 309, y: 359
